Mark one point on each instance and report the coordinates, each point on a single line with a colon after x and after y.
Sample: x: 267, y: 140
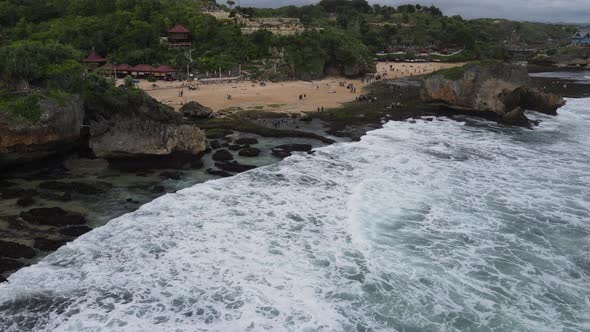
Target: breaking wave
x: 426, y: 226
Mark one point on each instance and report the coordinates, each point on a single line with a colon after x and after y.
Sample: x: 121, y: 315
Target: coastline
x: 127, y: 191
x: 280, y: 97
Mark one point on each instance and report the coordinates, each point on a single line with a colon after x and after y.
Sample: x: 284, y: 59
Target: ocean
x: 436, y: 225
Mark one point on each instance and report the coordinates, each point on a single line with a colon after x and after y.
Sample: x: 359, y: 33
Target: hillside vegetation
x: 45, y: 41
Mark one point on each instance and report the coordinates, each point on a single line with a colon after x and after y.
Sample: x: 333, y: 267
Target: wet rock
x: 234, y: 167
x: 218, y: 173
x: 222, y: 155
x: 194, y: 110
x: 281, y: 153
x: 25, y: 201
x: 225, y: 145
x: 52, y: 217
x: 9, y: 265
x: 175, y: 160
x: 158, y: 189
x: 15, y: 250
x: 246, y: 141
x: 75, y: 231
x: 236, y: 147
x: 171, y: 175
x: 215, y: 145
x: 517, y: 118
x: 48, y: 245
x: 6, y: 184
x: 65, y: 197
x: 295, y: 147
x: 131, y: 200
x: 285, y: 150
x: 12, y: 193
x: 76, y: 187
x: 249, y: 152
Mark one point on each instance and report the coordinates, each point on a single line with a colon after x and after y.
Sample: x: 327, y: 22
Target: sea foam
x: 426, y: 226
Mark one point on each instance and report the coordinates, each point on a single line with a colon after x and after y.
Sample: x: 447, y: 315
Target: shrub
x: 21, y: 108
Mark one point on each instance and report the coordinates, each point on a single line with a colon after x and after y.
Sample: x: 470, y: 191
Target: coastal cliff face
x: 572, y: 57
x: 474, y: 87
x: 150, y: 129
x: 494, y: 88
x: 56, y: 130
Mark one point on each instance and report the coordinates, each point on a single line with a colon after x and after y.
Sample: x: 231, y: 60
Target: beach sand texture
x: 282, y: 96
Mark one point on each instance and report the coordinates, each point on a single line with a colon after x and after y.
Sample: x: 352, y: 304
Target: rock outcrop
x: 533, y: 99
x: 194, y: 110
x: 58, y: 130
x: 492, y: 88
x: 572, y: 57
x: 148, y: 129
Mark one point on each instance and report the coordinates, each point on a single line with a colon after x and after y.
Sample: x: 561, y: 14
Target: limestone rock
x: 58, y: 130
x: 151, y: 129
x: 194, y: 110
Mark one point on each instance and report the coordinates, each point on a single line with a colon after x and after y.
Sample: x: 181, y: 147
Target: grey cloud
x: 574, y: 11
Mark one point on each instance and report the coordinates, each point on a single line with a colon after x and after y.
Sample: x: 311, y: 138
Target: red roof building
x: 179, y: 36
x: 179, y: 28
x: 94, y: 58
x: 124, y: 68
x: 143, y: 69
x: 165, y: 69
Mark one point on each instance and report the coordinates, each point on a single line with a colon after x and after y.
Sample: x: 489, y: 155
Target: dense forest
x: 44, y: 41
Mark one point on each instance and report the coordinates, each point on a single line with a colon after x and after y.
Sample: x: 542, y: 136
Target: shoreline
x: 281, y: 97
x: 350, y: 120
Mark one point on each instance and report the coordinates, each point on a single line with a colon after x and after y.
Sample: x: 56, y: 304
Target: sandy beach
x: 282, y: 96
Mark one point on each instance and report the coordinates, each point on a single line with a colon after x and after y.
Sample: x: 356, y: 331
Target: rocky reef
x: 56, y: 128
x: 493, y: 88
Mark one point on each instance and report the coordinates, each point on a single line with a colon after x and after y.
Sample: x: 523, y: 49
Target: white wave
x: 432, y: 226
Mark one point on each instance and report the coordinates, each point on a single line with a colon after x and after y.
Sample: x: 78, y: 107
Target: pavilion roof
x: 143, y: 68
x: 94, y: 58
x: 124, y: 67
x: 179, y: 28
x: 165, y: 69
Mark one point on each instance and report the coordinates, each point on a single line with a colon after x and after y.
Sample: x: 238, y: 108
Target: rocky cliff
x: 567, y: 57
x: 143, y: 128
x: 495, y: 88
x: 56, y: 129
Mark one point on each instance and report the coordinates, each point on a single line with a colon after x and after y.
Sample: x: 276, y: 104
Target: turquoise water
x: 426, y: 226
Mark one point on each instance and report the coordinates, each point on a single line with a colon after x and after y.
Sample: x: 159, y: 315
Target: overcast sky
x: 575, y: 11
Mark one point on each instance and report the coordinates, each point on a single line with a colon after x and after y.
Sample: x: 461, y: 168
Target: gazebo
x: 179, y: 36
x: 94, y: 61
